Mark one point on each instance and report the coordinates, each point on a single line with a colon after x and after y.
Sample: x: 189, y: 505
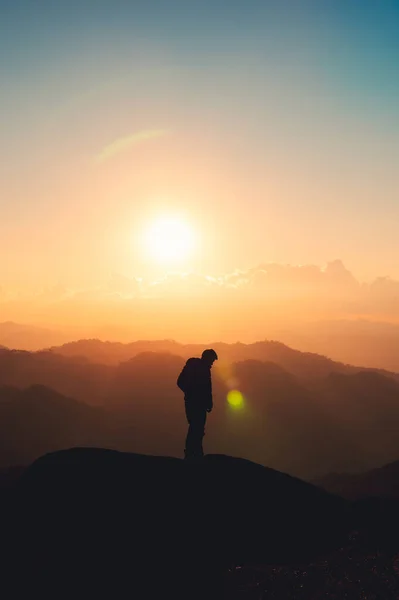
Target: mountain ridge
x: 296, y: 415
x: 381, y: 482
x: 275, y: 351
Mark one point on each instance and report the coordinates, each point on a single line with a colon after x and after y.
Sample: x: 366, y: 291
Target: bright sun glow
x: 170, y: 240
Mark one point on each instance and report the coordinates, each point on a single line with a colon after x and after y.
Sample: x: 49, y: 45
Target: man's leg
x: 196, y: 430
x: 188, y: 450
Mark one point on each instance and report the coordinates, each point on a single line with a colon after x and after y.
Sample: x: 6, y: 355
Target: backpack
x: 188, y: 374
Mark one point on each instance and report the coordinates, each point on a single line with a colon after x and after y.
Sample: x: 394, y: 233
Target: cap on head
x: 209, y: 356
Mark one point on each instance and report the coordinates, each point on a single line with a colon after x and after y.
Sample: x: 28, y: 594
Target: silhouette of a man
x: 195, y: 381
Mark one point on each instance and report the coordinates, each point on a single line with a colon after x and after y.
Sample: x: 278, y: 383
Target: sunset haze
x: 268, y: 130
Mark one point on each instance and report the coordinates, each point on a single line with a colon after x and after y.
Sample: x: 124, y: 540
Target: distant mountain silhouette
x: 38, y: 420
x: 112, y: 353
x: 29, y: 337
x: 307, y: 426
x: 302, y: 364
x: 94, y: 521
x: 75, y: 377
x: 373, y: 344
x: 378, y: 483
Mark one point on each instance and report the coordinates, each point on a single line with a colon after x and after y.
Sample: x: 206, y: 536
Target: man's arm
x: 210, y: 397
x: 182, y: 379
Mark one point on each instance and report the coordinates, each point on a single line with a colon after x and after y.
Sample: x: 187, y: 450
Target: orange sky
x: 259, y: 132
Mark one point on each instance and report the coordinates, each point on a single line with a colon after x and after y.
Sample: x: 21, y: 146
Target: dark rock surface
x: 85, y: 522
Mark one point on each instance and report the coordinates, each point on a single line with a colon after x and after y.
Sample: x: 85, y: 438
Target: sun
x: 170, y: 240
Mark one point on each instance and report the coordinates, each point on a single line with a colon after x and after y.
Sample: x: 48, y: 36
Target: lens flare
x: 235, y: 399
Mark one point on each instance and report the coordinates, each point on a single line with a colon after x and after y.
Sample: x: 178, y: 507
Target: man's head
x: 209, y: 356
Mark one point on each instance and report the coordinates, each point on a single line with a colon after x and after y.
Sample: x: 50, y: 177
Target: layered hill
x: 29, y: 337
x: 37, y: 419
x: 377, y: 483
x: 302, y: 364
x: 334, y: 421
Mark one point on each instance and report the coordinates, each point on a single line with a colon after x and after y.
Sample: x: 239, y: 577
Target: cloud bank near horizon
x: 266, y: 291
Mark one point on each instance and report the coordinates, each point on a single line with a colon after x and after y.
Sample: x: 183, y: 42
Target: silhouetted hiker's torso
x: 195, y: 382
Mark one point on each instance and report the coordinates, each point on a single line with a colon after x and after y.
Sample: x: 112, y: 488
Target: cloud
x: 126, y: 143
x: 182, y: 284
x: 126, y: 286
x: 330, y: 291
